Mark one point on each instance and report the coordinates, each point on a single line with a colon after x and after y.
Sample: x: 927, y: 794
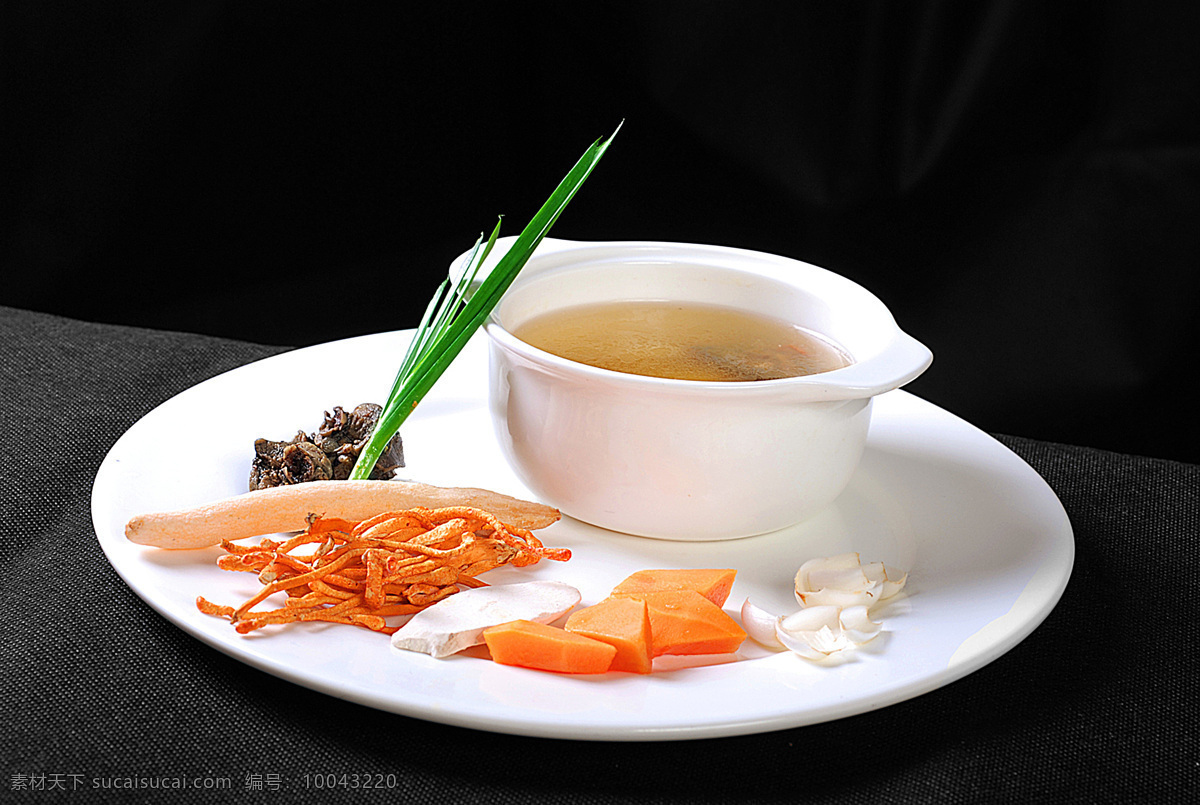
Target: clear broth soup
x: 683, y: 341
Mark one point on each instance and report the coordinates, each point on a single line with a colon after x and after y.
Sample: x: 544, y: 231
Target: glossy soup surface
x: 682, y: 341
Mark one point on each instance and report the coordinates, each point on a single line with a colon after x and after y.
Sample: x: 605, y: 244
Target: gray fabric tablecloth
x: 1099, y: 704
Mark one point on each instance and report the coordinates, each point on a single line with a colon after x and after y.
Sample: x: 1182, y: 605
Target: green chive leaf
x: 455, y: 313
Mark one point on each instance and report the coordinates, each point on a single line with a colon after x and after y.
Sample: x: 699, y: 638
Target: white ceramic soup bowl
x: 685, y: 459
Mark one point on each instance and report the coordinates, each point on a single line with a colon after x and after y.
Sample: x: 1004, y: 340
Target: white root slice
x: 458, y: 622
x: 286, y: 508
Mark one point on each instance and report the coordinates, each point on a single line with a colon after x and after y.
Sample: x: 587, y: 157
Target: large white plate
x: 987, y: 544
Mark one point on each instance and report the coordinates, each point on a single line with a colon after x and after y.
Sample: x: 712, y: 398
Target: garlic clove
x: 836, y: 594
x: 843, y: 580
x: 824, y: 566
x: 890, y: 582
x: 801, y: 644
x: 820, y: 631
x: 760, y: 625
x: 816, y: 627
x: 857, y: 624
x: 810, y: 619
x: 836, y: 598
x: 829, y: 640
x: 814, y: 632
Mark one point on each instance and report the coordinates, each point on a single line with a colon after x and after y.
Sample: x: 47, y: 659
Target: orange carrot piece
x: 535, y: 645
x: 713, y: 584
x: 621, y: 622
x: 685, y: 622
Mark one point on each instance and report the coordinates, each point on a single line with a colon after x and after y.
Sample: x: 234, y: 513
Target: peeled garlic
x: 843, y: 581
x: 877, y: 572
x: 857, y: 624
x: 836, y: 594
x: 760, y: 625
x: 813, y: 632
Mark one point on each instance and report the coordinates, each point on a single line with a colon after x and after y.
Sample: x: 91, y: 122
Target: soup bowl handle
x: 900, y: 362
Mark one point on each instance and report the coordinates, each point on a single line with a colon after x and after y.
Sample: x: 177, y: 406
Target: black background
x: 1018, y: 181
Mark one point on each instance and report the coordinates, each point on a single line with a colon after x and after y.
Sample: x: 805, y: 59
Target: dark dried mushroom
x: 343, y: 436
x: 304, y: 461
x: 279, y: 463
x: 330, y: 453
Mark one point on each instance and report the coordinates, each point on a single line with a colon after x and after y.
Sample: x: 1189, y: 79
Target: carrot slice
x: 685, y: 622
x: 621, y: 622
x: 535, y: 645
x: 713, y: 584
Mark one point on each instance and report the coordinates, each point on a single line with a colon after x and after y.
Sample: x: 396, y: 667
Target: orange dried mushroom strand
x: 359, y: 573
